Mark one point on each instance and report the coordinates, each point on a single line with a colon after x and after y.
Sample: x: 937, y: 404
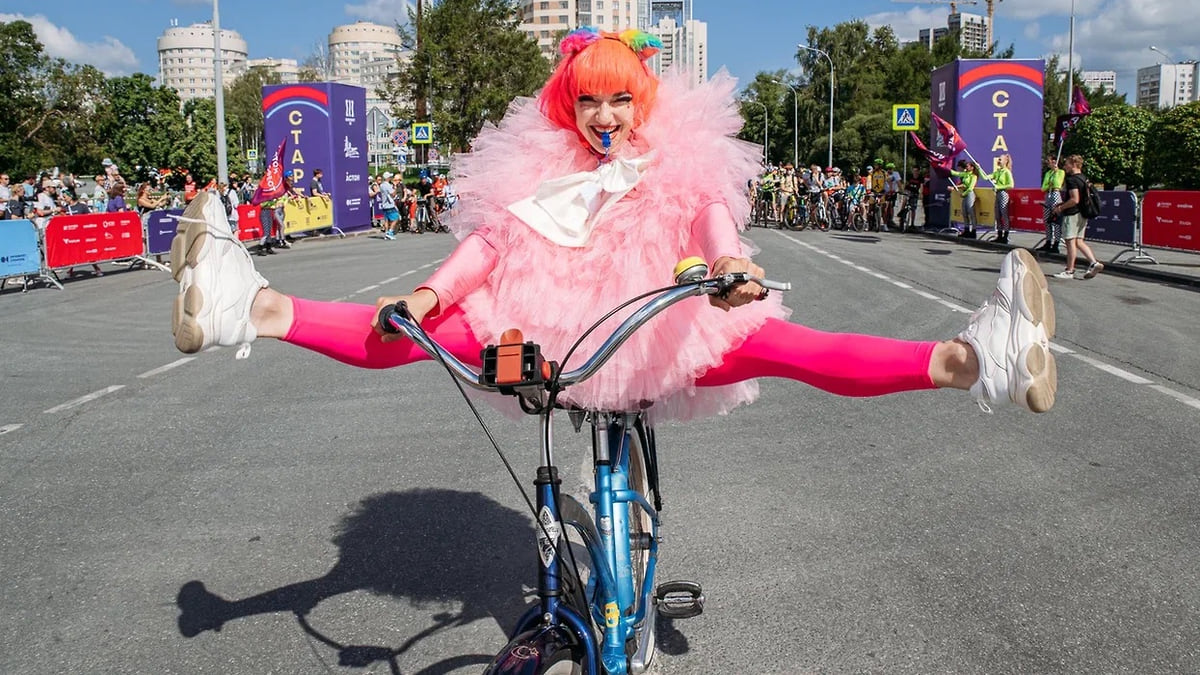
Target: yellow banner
x: 311, y: 213
x: 985, y: 207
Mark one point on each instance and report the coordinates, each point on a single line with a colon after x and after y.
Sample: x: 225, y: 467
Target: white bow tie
x: 565, y: 210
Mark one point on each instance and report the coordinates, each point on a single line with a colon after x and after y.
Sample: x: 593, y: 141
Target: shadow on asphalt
x: 858, y: 238
x: 431, y: 547
x: 937, y: 251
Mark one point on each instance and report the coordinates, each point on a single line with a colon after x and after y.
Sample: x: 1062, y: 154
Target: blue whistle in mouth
x: 606, y: 140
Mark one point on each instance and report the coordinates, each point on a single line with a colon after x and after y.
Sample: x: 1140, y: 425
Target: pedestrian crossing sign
x: 422, y: 133
x: 905, y: 116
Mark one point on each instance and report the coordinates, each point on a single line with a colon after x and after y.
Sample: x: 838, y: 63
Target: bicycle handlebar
x: 396, y: 319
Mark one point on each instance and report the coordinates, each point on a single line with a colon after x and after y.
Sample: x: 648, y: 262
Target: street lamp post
x: 1070, y: 60
x: 826, y: 55
x: 219, y: 90
x: 766, y: 133
x: 795, y: 123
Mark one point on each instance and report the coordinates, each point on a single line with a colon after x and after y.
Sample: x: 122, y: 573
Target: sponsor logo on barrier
x: 20, y: 257
x: 349, y: 112
x: 354, y: 202
x: 1185, y: 205
x: 350, y: 151
x: 72, y: 241
x: 1163, y: 205
x: 353, y: 177
x: 1166, y: 221
x: 1185, y: 237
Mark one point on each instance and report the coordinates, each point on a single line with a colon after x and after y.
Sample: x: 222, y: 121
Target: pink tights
x: 840, y: 363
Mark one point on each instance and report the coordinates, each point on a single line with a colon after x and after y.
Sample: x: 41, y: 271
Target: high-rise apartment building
x: 548, y: 20
x: 1166, y: 85
x: 288, y: 70
x: 367, y: 55
x: 1100, y: 80
x: 185, y: 59
x: 683, y: 46
x: 685, y: 41
x: 972, y: 31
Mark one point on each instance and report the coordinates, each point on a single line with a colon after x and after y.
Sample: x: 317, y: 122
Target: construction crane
x: 991, y: 10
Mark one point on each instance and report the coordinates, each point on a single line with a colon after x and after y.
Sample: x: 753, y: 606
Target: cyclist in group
x: 856, y: 192
x: 877, y: 182
x: 768, y: 188
x: 891, y: 191
x: 665, y: 177
x: 788, y: 188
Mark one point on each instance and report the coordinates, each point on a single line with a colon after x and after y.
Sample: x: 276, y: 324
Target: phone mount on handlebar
x: 516, y: 367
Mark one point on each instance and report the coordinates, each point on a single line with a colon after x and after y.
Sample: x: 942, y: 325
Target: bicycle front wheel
x: 641, y: 526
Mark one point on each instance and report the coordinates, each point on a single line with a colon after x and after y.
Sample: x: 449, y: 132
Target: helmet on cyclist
x: 878, y: 161
x: 891, y: 165
x: 870, y: 168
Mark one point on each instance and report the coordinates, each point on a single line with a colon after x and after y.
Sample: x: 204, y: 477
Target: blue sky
x: 746, y: 36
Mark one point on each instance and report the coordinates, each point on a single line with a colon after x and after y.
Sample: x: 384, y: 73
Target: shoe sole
x: 187, y: 249
x: 1093, y: 271
x: 1037, y: 361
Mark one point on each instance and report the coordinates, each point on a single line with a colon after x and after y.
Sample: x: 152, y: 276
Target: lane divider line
x: 364, y: 290
x: 1095, y: 363
x: 84, y: 399
x: 1182, y: 398
x: 7, y: 428
x: 162, y: 369
x: 1113, y: 370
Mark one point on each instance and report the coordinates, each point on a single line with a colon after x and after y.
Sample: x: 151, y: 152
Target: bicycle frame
x: 619, y: 610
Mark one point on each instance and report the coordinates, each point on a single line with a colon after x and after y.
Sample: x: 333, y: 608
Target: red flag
x: 212, y: 185
x: 937, y: 157
x: 1079, y: 104
x: 948, y: 136
x: 271, y: 186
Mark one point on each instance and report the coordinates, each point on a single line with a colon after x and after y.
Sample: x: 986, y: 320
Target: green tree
x: 198, y: 150
x: 142, y: 123
x: 766, y: 90
x: 243, y: 102
x: 1112, y: 141
x: 472, y: 62
x: 1171, y: 157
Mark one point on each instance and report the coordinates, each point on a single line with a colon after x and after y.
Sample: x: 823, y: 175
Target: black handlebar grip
x: 399, y: 308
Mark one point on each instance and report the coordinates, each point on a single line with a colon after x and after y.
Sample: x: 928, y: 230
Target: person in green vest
x: 968, y: 174
x: 1002, y: 178
x: 1052, y: 185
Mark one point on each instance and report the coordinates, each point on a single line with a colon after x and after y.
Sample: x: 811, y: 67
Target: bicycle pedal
x: 679, y: 599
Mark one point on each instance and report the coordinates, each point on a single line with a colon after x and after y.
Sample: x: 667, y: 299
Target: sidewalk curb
x: 1121, y: 269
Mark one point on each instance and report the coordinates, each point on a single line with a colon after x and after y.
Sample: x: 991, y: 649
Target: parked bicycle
x: 593, y: 617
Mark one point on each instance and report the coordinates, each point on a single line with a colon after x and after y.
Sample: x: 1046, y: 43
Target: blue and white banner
x: 19, y: 252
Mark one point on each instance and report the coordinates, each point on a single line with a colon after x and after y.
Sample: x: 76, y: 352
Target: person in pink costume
x: 632, y: 175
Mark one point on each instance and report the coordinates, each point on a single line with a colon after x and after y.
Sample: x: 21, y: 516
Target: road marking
x: 1113, y: 370
x: 163, y: 369
x: 84, y: 399
x: 388, y: 281
x: 1182, y: 398
x: 364, y: 290
x: 9, y: 427
x: 212, y: 349
x: 1095, y: 363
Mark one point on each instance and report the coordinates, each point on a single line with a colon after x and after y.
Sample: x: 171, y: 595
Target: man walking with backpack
x: 1079, y: 203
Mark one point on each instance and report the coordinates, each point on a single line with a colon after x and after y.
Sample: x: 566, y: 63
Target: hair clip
x: 578, y: 39
x: 642, y: 43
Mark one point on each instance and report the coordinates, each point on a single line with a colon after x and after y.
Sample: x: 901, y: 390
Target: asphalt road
x: 333, y: 513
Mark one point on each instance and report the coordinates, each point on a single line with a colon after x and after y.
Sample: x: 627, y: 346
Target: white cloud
x: 387, y: 12
x: 1118, y: 36
x: 1032, y: 30
x: 109, y: 55
x: 907, y: 25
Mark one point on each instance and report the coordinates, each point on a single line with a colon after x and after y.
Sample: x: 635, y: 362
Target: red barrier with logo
x: 92, y: 238
x: 249, y: 224
x: 1171, y: 219
x: 1025, y: 209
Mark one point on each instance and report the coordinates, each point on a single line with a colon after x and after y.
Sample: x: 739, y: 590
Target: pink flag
x: 948, y: 135
x: 271, y: 186
x: 1079, y: 104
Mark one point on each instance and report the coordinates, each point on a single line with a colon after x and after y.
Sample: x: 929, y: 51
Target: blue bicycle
x: 595, y: 616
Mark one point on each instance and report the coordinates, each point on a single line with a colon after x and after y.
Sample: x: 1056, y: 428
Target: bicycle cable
x: 574, y: 569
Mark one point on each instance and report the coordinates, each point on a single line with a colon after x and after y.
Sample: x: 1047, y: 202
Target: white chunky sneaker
x: 1011, y: 335
x: 217, y: 281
